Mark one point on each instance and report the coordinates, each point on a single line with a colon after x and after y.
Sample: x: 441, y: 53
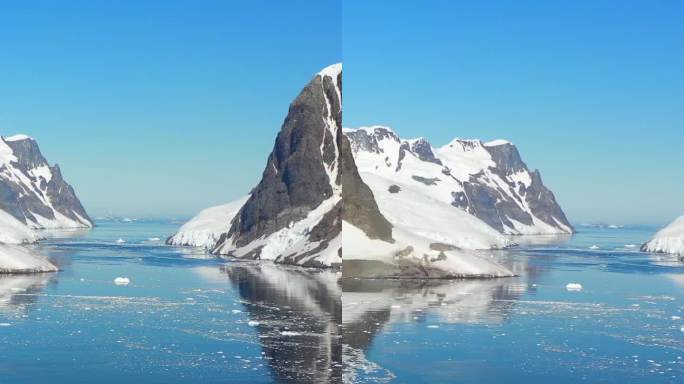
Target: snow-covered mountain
x: 311, y: 199
x: 443, y: 204
x: 293, y: 215
x: 668, y: 240
x: 471, y: 180
x: 33, y: 194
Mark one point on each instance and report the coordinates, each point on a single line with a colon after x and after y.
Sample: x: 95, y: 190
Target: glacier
x: 668, y: 240
x: 205, y: 229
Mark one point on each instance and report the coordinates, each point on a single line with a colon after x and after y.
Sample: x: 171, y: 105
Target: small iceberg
x: 120, y: 241
x: 122, y: 281
x: 252, y: 323
x: 594, y: 247
x: 574, y: 287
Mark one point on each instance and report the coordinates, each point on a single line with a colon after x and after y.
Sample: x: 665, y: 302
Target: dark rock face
x: 362, y: 140
x: 423, y: 150
x: 29, y: 186
x: 310, y: 164
x: 497, y: 207
x: 425, y: 180
x: 360, y: 208
x: 295, y: 180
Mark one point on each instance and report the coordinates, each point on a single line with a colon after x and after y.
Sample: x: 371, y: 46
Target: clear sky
x: 159, y: 108
x: 162, y: 108
x: 592, y: 92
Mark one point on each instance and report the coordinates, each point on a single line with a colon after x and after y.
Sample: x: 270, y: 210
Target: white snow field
x: 205, y: 229
x: 13, y: 231
x: 668, y: 240
x: 19, y: 259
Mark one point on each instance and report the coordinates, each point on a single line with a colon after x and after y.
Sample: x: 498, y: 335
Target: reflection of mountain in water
x: 298, y: 314
x: 370, y: 305
x: 18, y: 292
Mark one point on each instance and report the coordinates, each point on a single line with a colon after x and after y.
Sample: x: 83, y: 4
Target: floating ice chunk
x: 432, y: 326
x: 682, y: 328
x: 594, y: 247
x: 574, y: 287
x: 8, y: 324
x: 122, y: 281
x: 676, y: 318
x: 290, y: 333
x: 252, y: 323
x: 236, y: 311
x: 154, y: 239
x: 120, y: 241
x: 630, y: 245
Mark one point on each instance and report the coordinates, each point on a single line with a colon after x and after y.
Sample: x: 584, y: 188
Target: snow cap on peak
x: 331, y: 70
x: 19, y: 137
x: 373, y: 128
x: 497, y: 142
x: 465, y: 142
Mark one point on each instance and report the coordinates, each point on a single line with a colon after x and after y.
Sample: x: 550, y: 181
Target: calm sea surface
x: 625, y: 326
x: 184, y: 318
x: 188, y: 318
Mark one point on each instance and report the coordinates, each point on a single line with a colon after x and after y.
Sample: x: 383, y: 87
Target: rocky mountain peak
x: 33, y: 192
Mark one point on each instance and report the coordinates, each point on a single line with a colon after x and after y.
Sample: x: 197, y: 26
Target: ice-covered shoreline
x: 15, y: 259
x: 668, y: 240
x: 205, y: 229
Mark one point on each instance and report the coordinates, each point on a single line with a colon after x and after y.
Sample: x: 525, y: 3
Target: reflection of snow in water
x: 11, y: 286
x: 356, y: 364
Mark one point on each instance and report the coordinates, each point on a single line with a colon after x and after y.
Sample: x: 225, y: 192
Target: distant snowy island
x: 668, y: 240
x: 33, y: 197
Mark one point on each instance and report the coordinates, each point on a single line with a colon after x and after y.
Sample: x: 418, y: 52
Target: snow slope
x: 668, y: 240
x: 18, y: 259
x: 205, y: 229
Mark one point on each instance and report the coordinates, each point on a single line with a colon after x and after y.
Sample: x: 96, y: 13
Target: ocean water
x: 189, y: 318
x: 625, y: 326
x: 184, y: 317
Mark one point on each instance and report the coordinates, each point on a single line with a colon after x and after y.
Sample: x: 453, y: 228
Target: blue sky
x: 159, y: 108
x: 592, y: 92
